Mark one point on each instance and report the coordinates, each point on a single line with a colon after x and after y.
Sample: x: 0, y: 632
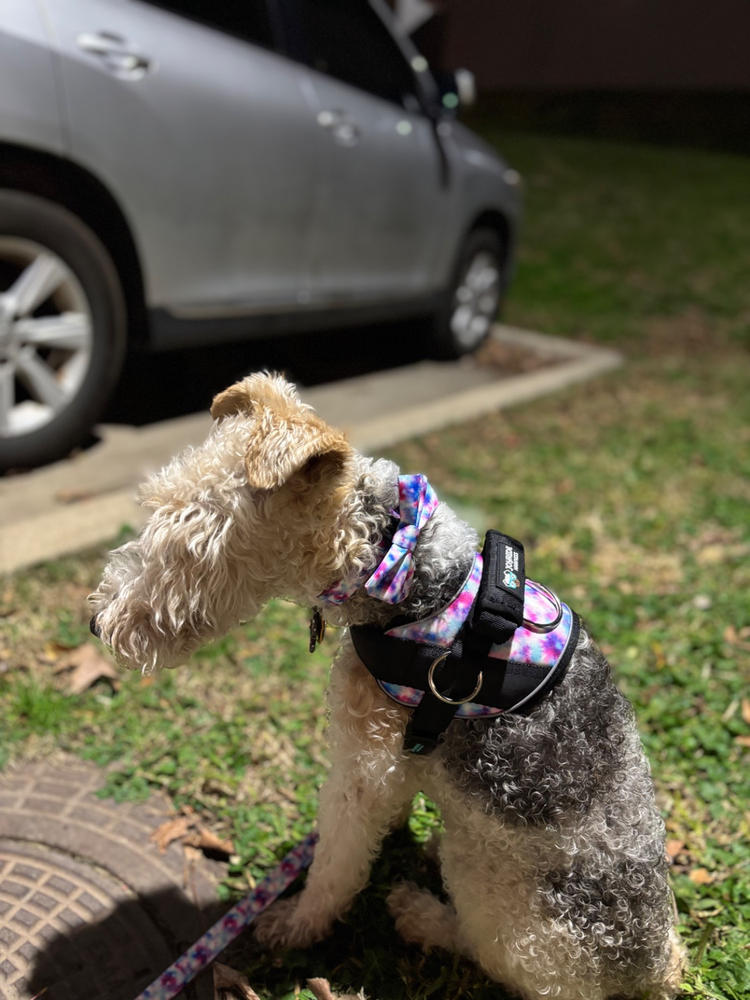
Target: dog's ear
x: 308, y: 450
x: 254, y: 391
x: 236, y: 399
x: 286, y: 439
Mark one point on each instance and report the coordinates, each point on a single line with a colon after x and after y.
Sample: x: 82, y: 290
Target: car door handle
x: 344, y: 131
x: 115, y: 53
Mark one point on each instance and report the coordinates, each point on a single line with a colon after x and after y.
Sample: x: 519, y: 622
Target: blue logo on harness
x: 510, y: 579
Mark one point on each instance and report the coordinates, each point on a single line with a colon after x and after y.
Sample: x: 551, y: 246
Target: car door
x: 377, y: 209
x: 202, y: 134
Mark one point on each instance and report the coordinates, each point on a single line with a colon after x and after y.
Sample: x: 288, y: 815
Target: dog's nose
x: 93, y: 627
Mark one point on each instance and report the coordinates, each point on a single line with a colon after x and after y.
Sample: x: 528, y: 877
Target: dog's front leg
x: 368, y: 786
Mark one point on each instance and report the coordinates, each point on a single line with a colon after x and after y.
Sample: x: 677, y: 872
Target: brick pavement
x: 89, y: 907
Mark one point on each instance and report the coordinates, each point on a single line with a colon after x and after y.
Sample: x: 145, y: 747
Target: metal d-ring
x: 547, y: 626
x: 442, y: 697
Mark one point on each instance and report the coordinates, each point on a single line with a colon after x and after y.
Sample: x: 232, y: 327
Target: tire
x: 472, y: 301
x: 62, y: 330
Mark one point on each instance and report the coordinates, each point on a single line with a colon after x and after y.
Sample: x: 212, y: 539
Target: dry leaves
x: 673, y: 848
x: 322, y: 990
x: 85, y: 665
x: 738, y: 637
x: 622, y: 564
x: 701, y: 876
x: 188, y: 829
x: 227, y: 979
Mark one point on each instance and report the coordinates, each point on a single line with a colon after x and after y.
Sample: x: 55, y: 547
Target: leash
x: 174, y: 979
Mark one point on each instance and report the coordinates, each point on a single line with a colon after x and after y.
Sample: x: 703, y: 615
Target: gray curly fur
x: 574, y: 763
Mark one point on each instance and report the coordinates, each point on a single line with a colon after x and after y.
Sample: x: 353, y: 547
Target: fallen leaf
x: 187, y: 828
x: 744, y: 741
x: 700, y: 876
x: 51, y: 653
x: 208, y: 841
x: 87, y: 666
x: 729, y: 711
x: 171, y: 830
x: 674, y: 847
x: 746, y: 710
x: 226, y: 978
x: 322, y: 990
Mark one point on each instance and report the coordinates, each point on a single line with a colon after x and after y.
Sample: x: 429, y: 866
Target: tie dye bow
x: 417, y: 502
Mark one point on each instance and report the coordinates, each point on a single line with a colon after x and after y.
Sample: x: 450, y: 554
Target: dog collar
x: 391, y: 579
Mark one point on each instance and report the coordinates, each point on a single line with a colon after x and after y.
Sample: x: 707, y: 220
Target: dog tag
x: 317, y: 629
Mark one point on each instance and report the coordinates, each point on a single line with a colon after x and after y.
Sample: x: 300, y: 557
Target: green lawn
x: 631, y: 494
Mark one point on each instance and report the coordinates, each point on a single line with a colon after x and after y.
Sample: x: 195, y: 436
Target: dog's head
x: 251, y: 514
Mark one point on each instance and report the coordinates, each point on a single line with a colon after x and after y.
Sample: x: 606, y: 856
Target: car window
x: 346, y: 39
x: 247, y: 19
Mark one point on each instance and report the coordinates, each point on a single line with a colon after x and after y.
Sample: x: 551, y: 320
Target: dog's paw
x: 422, y: 919
x: 287, y: 925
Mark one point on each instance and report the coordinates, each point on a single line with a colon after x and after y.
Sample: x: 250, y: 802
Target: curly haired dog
x: 553, y: 851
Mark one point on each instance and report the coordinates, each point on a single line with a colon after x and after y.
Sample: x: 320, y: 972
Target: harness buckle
x: 442, y: 697
x: 544, y: 628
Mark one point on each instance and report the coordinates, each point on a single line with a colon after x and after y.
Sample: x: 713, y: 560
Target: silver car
x: 189, y: 172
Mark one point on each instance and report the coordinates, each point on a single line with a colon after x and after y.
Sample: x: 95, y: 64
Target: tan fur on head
x: 287, y: 436
x: 258, y: 510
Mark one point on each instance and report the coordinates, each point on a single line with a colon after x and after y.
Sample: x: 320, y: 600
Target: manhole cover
x: 89, y: 908
x: 72, y: 930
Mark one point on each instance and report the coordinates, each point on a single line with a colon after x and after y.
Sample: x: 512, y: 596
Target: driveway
x: 86, y: 499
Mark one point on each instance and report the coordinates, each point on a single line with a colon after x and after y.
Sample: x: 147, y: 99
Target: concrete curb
x: 37, y: 526
x: 581, y: 363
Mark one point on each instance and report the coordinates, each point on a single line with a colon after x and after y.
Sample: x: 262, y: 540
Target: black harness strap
x: 498, y: 609
x: 451, y: 677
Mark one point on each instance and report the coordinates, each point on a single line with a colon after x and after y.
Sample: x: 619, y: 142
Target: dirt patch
x: 686, y: 334
x: 513, y: 359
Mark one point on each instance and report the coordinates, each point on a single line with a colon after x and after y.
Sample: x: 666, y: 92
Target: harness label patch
x: 511, y: 567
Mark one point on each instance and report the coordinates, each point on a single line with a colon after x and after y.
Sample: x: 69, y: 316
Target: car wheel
x: 471, y: 304
x: 62, y: 330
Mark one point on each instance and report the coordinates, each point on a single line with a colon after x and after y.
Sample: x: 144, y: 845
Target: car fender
x: 485, y: 190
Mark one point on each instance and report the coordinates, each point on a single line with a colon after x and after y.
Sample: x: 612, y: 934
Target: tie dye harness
x: 499, y: 645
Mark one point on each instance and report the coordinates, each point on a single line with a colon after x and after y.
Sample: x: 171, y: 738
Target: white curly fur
x: 553, y: 851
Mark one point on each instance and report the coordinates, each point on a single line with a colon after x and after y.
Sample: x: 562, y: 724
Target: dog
x: 553, y: 849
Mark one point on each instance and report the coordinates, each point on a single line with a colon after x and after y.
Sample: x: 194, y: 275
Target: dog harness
x: 500, y: 644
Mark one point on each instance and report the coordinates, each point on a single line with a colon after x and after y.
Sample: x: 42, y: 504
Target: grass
x: 631, y: 494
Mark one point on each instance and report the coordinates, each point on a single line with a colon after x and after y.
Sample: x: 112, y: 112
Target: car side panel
x: 210, y: 151
x: 29, y: 96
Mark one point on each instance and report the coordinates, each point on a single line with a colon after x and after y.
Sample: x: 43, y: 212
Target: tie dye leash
x: 208, y: 947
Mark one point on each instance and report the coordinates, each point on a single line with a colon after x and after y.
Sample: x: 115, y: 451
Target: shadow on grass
x: 364, y: 952
x: 117, y: 957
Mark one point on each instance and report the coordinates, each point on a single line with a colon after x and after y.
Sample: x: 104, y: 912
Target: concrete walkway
x: 86, y: 499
